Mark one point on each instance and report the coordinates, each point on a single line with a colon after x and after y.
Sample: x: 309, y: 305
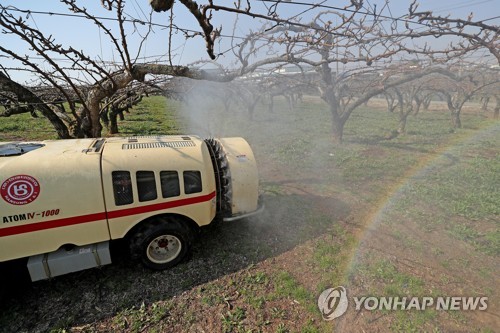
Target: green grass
x: 331, y: 256
x: 156, y: 115
x: 460, y: 185
x: 232, y: 320
x: 395, y: 283
x: 468, y: 188
x: 137, y: 319
x: 25, y: 127
x: 286, y: 285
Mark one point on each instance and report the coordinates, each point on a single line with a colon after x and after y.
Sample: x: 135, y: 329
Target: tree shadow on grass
x: 222, y: 248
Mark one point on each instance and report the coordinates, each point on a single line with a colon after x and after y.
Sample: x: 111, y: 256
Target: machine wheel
x: 161, y: 244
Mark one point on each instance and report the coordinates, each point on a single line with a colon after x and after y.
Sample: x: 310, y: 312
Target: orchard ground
x: 417, y: 215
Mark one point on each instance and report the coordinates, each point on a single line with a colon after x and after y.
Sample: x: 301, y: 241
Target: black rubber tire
x: 162, y: 243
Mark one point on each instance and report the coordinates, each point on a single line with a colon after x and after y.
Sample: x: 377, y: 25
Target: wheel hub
x: 164, y: 248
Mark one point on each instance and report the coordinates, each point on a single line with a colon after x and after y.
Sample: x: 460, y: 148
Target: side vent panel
x: 168, y: 144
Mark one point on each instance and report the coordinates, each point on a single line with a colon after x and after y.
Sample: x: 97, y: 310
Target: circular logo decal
x: 333, y: 303
x: 20, y: 190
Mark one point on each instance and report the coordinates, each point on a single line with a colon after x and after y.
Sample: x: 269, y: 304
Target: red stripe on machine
x: 21, y: 229
x: 68, y: 221
x: 160, y: 206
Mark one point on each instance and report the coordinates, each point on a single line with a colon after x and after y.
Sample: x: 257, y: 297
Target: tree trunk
x: 390, y: 102
x: 496, y: 110
x: 418, y: 104
x: 337, y: 127
x: 427, y: 102
x: 271, y: 104
x: 455, y: 119
x: 105, y: 117
x: 402, y: 122
x: 337, y: 133
x: 290, y: 102
x: 484, y: 103
x: 404, y: 111
x: 113, y: 124
x: 251, y: 107
x: 96, y: 127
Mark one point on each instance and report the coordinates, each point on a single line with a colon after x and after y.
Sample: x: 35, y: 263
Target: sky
x: 83, y: 35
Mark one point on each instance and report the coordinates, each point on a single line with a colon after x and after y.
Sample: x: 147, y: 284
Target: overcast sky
x: 82, y: 34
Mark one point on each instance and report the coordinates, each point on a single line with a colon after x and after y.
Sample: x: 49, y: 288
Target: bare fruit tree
x: 351, y: 36
x: 87, y: 85
x: 350, y: 48
x: 462, y: 84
